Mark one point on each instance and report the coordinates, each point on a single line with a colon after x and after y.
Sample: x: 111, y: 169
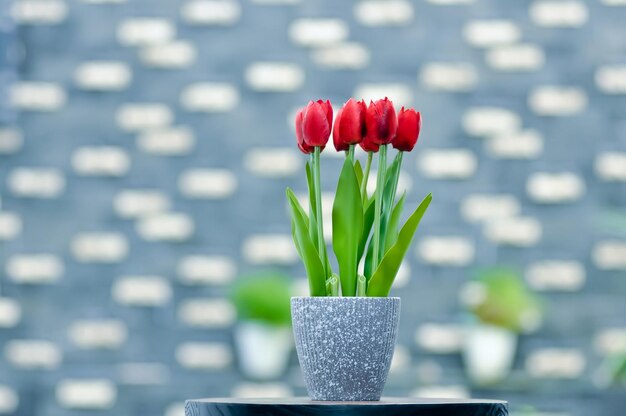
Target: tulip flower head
x: 304, y: 148
x: 316, y: 123
x: 409, y: 126
x: 381, y: 122
x: 349, y: 124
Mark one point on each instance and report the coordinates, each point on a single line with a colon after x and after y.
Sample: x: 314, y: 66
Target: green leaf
x: 347, y: 227
x: 358, y: 170
x: 380, y: 283
x: 388, y: 194
x: 394, y: 223
x: 308, y: 251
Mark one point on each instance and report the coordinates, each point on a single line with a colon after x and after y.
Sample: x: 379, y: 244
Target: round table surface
x: 385, y: 407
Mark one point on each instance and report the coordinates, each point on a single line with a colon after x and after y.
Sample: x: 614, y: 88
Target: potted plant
x: 345, y: 331
x: 503, y: 307
x: 263, y: 338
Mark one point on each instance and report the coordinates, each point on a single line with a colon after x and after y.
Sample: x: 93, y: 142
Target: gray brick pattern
x: 145, y: 146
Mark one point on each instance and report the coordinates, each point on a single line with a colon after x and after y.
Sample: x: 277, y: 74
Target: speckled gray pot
x: 345, y: 345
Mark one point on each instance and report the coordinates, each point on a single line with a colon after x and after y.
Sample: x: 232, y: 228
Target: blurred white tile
x: 517, y: 231
x: 272, y: 162
x: 173, y: 227
x: 202, y: 269
x: 39, y: 12
x: 103, y: 1
x: 262, y: 390
x: 609, y: 255
x: 447, y: 163
x: 488, y: 207
x: 173, y: 141
x: 136, y: 203
x: 318, y: 32
x: 86, y: 393
x: 37, y: 96
x: 611, y: 79
x: 449, y: 76
x: 171, y: 55
x: 103, y: 75
x: 611, y: 166
x: 141, y: 31
x: 204, y: 355
x: 490, y: 121
x: 10, y: 312
x: 450, y: 2
x: 442, y: 392
x: 36, y: 182
x: 33, y: 354
x: 142, y: 291
x: 520, y: 57
x: 401, y: 360
x: 349, y: 55
x: 268, y: 249
x: 557, y: 101
x: 34, y: 268
x: 556, y: 363
x: 383, y: 13
x: 98, y: 333
x: 10, y: 225
x: 558, y: 13
x: 207, y: 313
x: 276, y: 2
x: 9, y: 400
x: 11, y: 140
x: 487, y: 33
x: 135, y: 117
x: 274, y: 76
x: 524, y: 144
x: 611, y: 341
x: 439, y: 338
x: 103, y: 247
x: 560, y: 275
x: 446, y: 251
x: 554, y: 188
x: 209, y: 97
x: 211, y: 12
x: 400, y: 94
x: 613, y: 2
x: 175, y: 409
x: 101, y: 161
x: 207, y: 183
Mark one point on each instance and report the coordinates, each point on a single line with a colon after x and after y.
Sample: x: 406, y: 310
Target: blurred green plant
x: 263, y: 297
x: 499, y: 297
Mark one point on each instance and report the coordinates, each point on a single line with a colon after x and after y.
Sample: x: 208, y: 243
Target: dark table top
x: 306, y: 407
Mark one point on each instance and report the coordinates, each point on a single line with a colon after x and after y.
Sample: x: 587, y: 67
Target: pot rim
x: 346, y: 297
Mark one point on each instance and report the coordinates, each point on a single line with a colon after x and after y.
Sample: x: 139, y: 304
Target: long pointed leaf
x: 368, y: 220
x: 347, y: 227
x: 394, y: 223
x: 381, y: 281
x: 358, y: 170
x: 308, y: 252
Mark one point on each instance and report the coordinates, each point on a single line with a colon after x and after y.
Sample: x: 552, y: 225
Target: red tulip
x: 381, y: 122
x: 305, y: 148
x: 368, y: 145
x: 317, y: 120
x: 409, y: 126
x: 349, y: 124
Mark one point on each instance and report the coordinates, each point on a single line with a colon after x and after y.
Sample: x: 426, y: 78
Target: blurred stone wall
x: 145, y: 146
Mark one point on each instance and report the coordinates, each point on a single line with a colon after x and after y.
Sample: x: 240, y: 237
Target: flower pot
x: 488, y: 353
x: 263, y: 350
x: 345, y: 345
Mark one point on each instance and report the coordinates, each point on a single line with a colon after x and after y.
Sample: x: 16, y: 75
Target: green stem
x: 361, y: 286
x: 366, y: 177
x: 351, y: 153
x: 395, y: 181
x: 318, y: 207
x: 380, y: 184
x: 332, y: 285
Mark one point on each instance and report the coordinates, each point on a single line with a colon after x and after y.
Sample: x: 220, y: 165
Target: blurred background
x: 145, y: 146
